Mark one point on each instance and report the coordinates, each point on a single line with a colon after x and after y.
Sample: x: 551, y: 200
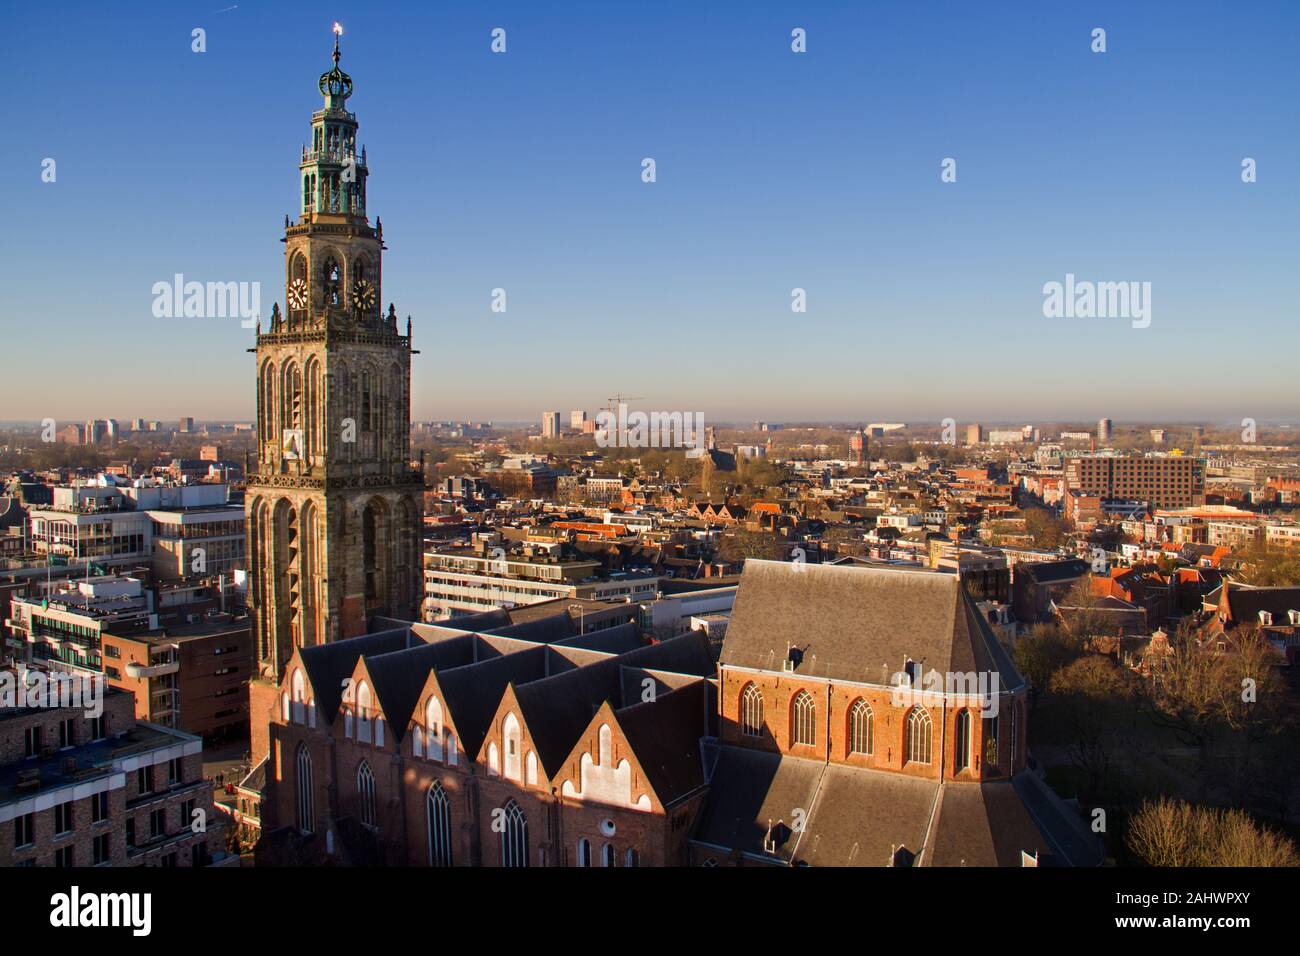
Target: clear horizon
x: 775, y: 171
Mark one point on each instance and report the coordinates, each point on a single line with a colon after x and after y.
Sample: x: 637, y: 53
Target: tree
x: 1263, y: 566
x: 1096, y: 697
x: 1041, y: 655
x: 740, y: 545
x: 1169, y: 832
x: 1044, y: 528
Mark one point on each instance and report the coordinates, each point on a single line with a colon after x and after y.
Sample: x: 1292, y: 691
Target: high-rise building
x: 577, y: 419
x: 186, y: 425
x: 333, y: 507
x: 1161, y: 482
x: 974, y: 434
x: 550, y: 424
x: 858, y: 444
x: 1105, y: 429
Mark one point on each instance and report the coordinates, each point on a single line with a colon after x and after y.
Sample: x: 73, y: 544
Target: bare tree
x: 1169, y: 832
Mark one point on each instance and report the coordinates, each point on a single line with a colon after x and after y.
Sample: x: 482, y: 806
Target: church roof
x: 859, y: 623
x: 854, y: 816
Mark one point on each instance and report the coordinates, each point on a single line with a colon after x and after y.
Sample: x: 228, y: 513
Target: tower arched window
x: 366, y: 795
x: 437, y: 812
x: 751, y: 711
x: 920, y: 732
x: 584, y: 852
x: 803, y: 714
x: 607, y: 855
x: 514, y: 836
x: 332, y: 276
x: 306, y: 795
x: 862, y: 728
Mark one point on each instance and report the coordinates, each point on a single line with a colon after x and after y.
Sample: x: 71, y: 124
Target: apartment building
x: 63, y: 629
x: 190, y: 676
x: 85, y: 789
x: 1159, y: 481
x: 486, y: 575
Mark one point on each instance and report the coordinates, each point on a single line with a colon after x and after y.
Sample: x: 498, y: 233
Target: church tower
x: 333, y: 505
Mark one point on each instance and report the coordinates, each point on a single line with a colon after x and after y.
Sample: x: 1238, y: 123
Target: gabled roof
x: 328, y: 665
x: 665, y: 735
x: 859, y: 623
x: 473, y: 692
x: 399, y: 676
x: 558, y: 709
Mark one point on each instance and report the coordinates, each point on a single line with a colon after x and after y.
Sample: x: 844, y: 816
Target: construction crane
x: 616, y: 400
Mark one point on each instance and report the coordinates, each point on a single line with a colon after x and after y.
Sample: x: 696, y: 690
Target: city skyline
x: 530, y: 181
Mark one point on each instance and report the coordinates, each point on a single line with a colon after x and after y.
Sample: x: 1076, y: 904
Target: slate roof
x: 666, y: 736
x: 1245, y: 603
x: 750, y: 788
x: 855, y: 816
x: 861, y: 816
x: 558, y: 709
x: 1051, y: 572
x: 327, y: 665
x: 859, y: 623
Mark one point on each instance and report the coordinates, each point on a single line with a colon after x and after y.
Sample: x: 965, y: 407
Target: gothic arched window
x: 366, y: 794
x: 803, y: 713
x: 990, y: 742
x: 437, y: 812
x: 1015, y: 732
x: 584, y: 852
x: 306, y: 797
x: 514, y: 838
x: 961, y: 745
x: 862, y: 728
x: 510, y: 741
x: 919, y: 734
x: 433, y: 729
x: 751, y: 711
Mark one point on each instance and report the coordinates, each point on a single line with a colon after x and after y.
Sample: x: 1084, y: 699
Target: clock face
x: 363, y: 294
x: 298, y: 293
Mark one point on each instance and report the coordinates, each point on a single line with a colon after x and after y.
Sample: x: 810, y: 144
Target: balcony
x: 154, y: 670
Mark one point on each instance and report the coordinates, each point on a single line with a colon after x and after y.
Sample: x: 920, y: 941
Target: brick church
x: 526, y: 738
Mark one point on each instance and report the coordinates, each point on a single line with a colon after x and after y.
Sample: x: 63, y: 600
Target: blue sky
x: 775, y: 170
